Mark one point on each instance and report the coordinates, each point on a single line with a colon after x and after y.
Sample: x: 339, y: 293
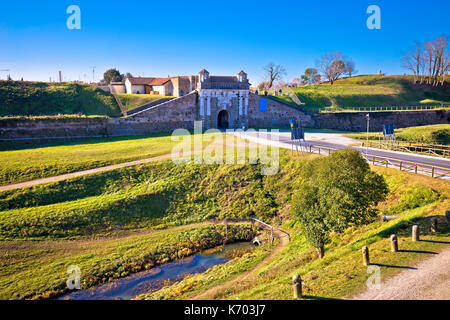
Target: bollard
x: 434, y: 225
x: 297, y: 285
x: 447, y: 215
x: 394, y: 243
x: 365, y: 253
x: 415, y: 233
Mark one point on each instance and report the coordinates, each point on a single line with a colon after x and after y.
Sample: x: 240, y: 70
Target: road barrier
x: 402, y: 165
x: 414, y: 147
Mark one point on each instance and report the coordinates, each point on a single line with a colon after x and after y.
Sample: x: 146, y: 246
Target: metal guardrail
x: 402, y: 165
x: 433, y: 150
x: 384, y: 109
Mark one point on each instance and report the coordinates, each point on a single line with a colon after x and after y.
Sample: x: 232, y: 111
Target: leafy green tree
x: 336, y: 192
x: 112, y: 75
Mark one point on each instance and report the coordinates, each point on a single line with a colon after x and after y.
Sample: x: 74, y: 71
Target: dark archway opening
x: 222, y: 120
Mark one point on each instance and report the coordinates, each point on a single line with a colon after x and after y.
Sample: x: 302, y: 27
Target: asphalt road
x: 327, y: 140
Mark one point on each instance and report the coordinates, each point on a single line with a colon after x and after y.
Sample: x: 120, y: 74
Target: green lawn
x: 368, y: 91
x: 433, y: 134
x: 40, y: 162
x: 38, y: 269
x: 23, y: 98
x: 132, y: 101
x: 108, y: 223
x: 341, y: 273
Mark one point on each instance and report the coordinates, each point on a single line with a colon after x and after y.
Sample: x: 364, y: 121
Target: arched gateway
x: 222, y: 120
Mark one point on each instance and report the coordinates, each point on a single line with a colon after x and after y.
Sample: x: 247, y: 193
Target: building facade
x: 223, y: 101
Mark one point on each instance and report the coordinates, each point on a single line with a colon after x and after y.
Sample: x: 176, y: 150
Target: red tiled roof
x: 159, y: 81
x: 140, y: 81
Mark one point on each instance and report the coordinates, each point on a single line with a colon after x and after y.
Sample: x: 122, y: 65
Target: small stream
x: 153, y: 279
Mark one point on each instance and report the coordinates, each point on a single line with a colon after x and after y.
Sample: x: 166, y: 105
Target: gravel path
x: 430, y: 281
x: 80, y: 173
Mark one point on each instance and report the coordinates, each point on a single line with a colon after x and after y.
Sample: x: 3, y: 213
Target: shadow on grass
x: 418, y: 251
x: 306, y: 296
x: 436, y: 241
x: 391, y: 266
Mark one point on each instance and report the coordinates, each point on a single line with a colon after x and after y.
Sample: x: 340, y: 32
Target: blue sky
x: 160, y: 38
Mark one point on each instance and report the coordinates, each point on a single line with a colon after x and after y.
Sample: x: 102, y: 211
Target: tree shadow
x: 418, y: 251
x: 436, y: 241
x: 306, y: 296
x: 392, y: 266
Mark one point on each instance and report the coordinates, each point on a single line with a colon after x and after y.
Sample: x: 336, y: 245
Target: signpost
x: 298, y: 138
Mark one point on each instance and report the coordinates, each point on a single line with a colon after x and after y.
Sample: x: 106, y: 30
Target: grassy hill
x: 370, y: 91
x: 19, y: 98
x: 434, y: 134
x: 132, y: 101
x: 108, y: 224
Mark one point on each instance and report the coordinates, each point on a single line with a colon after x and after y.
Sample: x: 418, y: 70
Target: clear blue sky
x: 160, y: 38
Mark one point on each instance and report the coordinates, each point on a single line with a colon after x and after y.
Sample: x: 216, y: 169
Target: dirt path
x: 429, y: 281
x: 215, y: 291
x: 81, y: 173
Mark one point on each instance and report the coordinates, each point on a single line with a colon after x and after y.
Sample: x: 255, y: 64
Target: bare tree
x: 332, y: 66
x: 274, y: 73
x: 413, y: 60
x: 350, y: 68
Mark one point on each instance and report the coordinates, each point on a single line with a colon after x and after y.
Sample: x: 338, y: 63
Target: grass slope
x: 60, y: 158
x: 38, y: 269
x: 370, y: 91
x: 132, y: 101
x: 433, y: 134
x: 20, y: 98
x: 341, y: 273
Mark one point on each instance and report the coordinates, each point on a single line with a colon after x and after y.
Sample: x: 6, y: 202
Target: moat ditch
x: 151, y: 280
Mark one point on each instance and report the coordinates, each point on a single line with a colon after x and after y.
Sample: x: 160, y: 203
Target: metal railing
x: 432, y: 150
x: 402, y: 165
x: 384, y: 108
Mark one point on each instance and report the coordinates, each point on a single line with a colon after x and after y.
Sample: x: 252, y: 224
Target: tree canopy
x: 336, y: 192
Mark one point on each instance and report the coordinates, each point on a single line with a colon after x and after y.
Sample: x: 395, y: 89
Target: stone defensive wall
x: 183, y: 111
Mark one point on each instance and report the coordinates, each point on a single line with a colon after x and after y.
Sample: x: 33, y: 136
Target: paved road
x: 337, y: 141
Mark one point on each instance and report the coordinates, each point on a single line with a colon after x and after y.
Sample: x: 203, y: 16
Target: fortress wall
x: 278, y: 114
x: 165, y: 117
x: 356, y: 121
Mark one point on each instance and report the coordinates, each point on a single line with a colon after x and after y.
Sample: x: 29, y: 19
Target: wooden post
x: 434, y: 225
x: 447, y: 215
x: 365, y: 253
x: 394, y: 243
x: 415, y: 233
x: 226, y: 231
x: 297, y: 286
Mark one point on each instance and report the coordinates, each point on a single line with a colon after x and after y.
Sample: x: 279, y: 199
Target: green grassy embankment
x: 433, y: 134
x: 341, y: 273
x: 72, y: 215
x: 132, y: 101
x: 32, y: 270
x: 59, y: 158
x: 22, y: 98
x: 369, y: 91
